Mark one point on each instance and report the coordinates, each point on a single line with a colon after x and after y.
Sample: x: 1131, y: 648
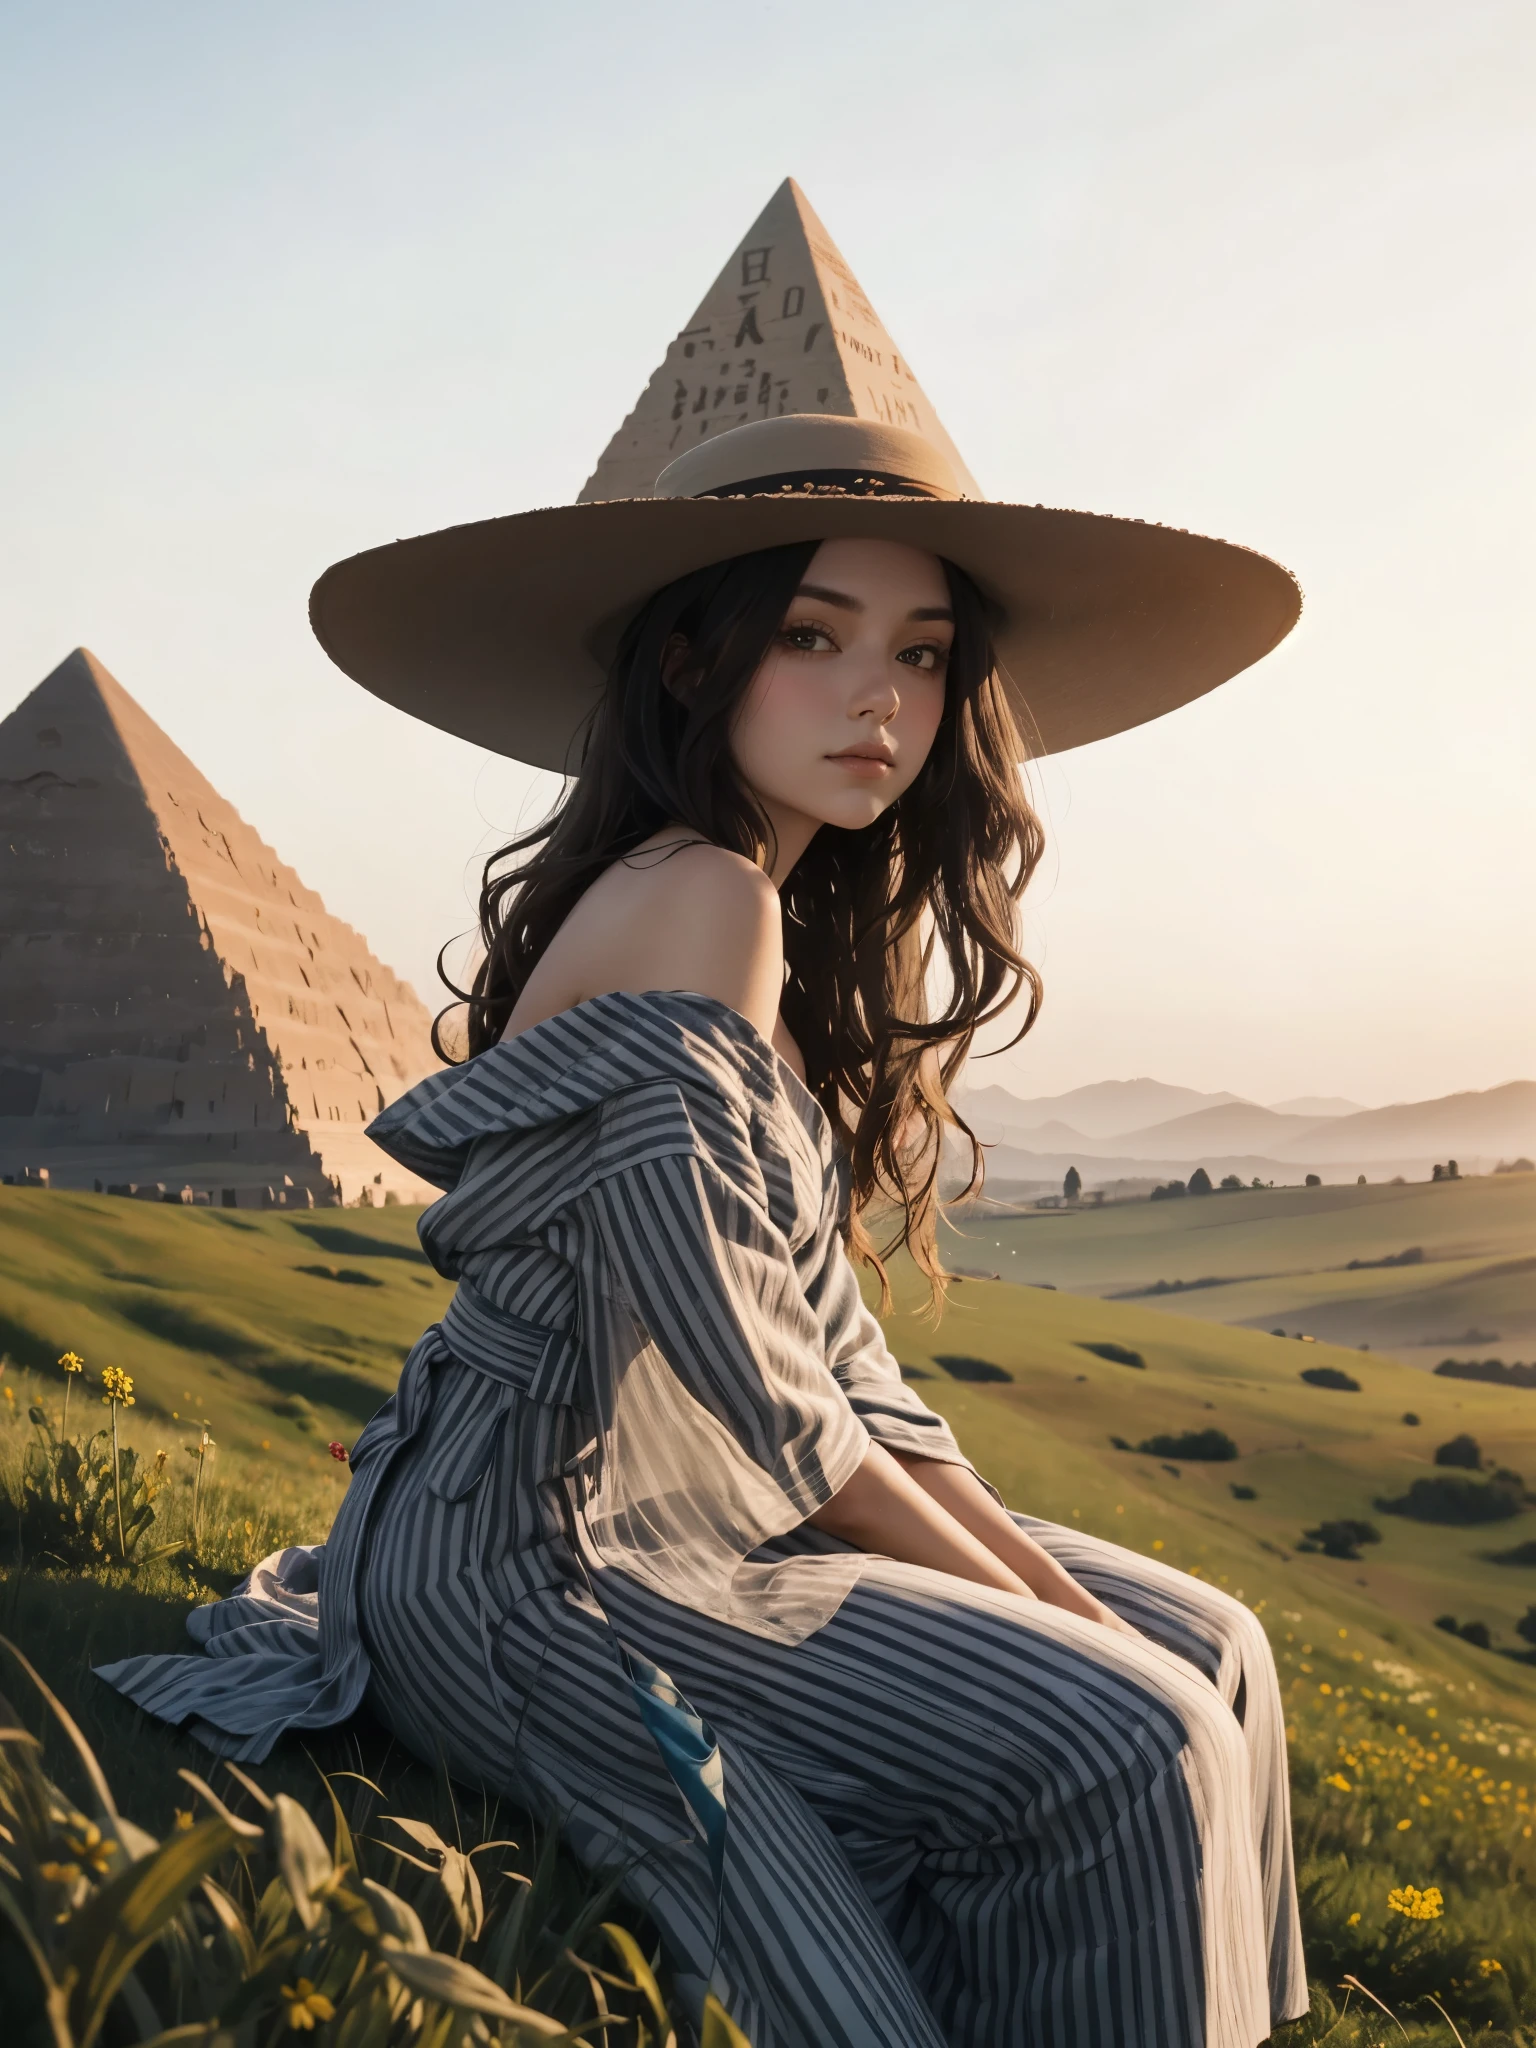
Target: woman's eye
x: 927, y: 657
x: 808, y: 639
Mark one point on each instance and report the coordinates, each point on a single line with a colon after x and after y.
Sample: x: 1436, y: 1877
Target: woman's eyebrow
x: 853, y: 604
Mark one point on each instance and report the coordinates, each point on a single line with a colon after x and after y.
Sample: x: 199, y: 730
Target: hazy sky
x: 283, y: 282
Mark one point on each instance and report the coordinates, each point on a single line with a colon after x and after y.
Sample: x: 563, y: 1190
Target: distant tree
x: 1330, y: 1376
x: 1525, y: 1627
x: 1452, y: 1170
x: 1360, y: 1180
x: 1242, y: 1492
x: 1196, y: 1445
x: 1342, y: 1538
x: 1230, y: 1183
x: 1521, y: 1165
x: 1411, y: 1420
x: 1463, y: 1451
x: 1437, y: 1173
x: 1200, y: 1182
x: 1455, y: 1500
x: 1173, y: 1191
x: 1072, y: 1186
x: 1314, y: 1180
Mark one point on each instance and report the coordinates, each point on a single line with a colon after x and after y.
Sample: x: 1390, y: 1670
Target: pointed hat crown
x: 785, y: 328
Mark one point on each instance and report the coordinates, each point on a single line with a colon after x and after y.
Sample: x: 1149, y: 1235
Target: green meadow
x: 1281, y: 1258
x: 1414, y: 1751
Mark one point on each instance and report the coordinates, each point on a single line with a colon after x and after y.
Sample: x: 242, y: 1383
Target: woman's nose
x: 877, y: 696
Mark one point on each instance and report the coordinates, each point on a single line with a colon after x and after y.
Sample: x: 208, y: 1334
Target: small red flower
x: 339, y: 1453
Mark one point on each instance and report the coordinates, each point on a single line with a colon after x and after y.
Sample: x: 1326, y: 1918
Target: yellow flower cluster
x: 116, y: 1385
x: 1414, y: 1904
x: 72, y: 1362
x: 307, y: 2007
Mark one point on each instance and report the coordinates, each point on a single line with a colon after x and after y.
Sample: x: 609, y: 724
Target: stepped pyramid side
x: 174, y: 1004
x: 786, y: 327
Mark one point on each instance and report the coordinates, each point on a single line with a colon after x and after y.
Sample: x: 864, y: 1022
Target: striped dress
x: 952, y: 1815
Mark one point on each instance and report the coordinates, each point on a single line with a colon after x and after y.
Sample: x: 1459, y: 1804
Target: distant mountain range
x: 1133, y: 1129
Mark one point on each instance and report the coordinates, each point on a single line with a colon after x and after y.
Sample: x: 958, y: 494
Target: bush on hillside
x: 1196, y: 1446
x: 1330, y: 1376
x: 1456, y: 1501
x: 1522, y: 1553
x: 1462, y: 1451
x: 1241, y: 1492
x: 1341, y: 1538
x: 961, y: 1367
x: 1200, y: 1182
x: 1493, y: 1370
x: 1115, y: 1354
x: 1171, y: 1191
x: 1474, y: 1632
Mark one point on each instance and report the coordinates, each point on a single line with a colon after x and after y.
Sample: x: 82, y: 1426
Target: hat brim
x: 501, y: 631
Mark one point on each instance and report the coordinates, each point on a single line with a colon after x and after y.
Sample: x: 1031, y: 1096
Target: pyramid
x: 175, y: 1005
x: 784, y: 328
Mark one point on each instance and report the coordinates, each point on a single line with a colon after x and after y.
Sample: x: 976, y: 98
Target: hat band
x: 832, y: 483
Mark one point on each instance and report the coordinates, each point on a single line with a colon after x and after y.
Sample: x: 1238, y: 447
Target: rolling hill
x: 281, y: 1332
x: 1323, y: 1261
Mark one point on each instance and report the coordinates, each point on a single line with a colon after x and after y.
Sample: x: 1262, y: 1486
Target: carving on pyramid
x: 785, y: 327
x: 175, y: 1005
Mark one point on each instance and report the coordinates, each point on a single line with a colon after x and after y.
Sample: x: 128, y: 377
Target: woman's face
x: 840, y: 717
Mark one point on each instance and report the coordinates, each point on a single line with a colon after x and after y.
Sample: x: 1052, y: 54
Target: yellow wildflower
x: 1414, y: 1904
x: 1489, y: 1967
x: 72, y: 1362
x: 183, y: 1819
x: 88, y: 1845
x: 306, y: 2005
x: 1340, y: 1782
x: 1353, y: 1920
x: 116, y: 1385
x: 1403, y: 1826
x: 58, y: 1873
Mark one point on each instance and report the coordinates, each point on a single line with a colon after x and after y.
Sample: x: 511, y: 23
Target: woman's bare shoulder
x: 670, y: 916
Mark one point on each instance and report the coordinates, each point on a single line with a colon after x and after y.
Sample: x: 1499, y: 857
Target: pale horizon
x: 292, y: 285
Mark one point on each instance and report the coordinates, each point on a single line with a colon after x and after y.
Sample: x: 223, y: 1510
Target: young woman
x: 965, y: 1777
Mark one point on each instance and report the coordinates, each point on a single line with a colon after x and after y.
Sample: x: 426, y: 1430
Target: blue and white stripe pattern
x: 957, y: 1819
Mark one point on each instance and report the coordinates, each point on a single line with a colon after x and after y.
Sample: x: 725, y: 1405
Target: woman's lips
x: 870, y: 766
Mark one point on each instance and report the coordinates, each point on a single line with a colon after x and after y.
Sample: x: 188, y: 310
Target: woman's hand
x: 883, y: 1509
x: 968, y: 1503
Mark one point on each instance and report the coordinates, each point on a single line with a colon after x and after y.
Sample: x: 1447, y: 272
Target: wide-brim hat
x: 502, y: 631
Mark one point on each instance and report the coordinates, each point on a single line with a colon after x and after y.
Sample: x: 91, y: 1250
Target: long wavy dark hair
x: 900, y: 939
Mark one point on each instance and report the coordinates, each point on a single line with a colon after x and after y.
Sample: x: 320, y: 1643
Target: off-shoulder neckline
x: 742, y: 1028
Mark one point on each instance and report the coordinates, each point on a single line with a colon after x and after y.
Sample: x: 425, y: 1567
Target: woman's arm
x: 883, y: 1509
x: 960, y: 1494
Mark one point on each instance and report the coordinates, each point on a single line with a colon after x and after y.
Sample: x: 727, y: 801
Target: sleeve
x: 720, y: 1425
x: 862, y: 1364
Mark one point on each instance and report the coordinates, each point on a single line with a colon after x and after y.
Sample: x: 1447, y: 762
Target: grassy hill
x: 1413, y: 1752
x: 283, y: 1330
x: 1280, y: 1258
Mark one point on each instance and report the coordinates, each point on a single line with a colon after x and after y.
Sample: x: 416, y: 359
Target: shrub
x: 1174, y: 1190
x: 1343, y: 1538
x: 1314, y: 1180
x: 1230, y: 1183
x: 1493, y: 1370
x: 70, y: 1490
x: 960, y: 1367
x: 1455, y: 1501
x: 1242, y: 1492
x: 1115, y: 1354
x: 1200, y: 1182
x: 1330, y: 1376
x: 1411, y: 1419
x: 1522, y: 1553
x: 1462, y: 1451
x: 1525, y: 1627
x: 1198, y: 1446
x: 1474, y: 1632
